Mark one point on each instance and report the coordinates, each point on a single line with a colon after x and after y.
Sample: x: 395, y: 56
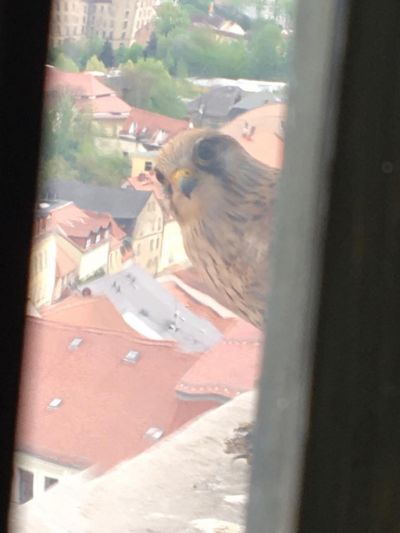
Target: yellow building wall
x: 90, y: 261
x: 42, y: 274
x: 139, y: 161
x: 114, y: 261
x: 172, y: 251
x: 109, y: 127
x: 147, y: 236
x: 94, y: 259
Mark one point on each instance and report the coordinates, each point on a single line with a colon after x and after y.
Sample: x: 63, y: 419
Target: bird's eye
x: 160, y: 176
x: 205, y: 151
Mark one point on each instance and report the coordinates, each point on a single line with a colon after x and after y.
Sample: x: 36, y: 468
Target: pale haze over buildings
x: 124, y: 344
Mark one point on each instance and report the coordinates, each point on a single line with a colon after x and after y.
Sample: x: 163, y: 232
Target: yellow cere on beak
x: 179, y: 175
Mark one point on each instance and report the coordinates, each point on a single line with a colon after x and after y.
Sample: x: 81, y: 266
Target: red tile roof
x: 230, y: 368
x: 266, y: 144
x: 78, y: 224
x: 222, y: 324
x: 191, y: 277
x: 88, y: 312
x: 87, y: 90
x: 107, y: 404
x: 240, y: 330
x: 105, y: 105
x: 154, y: 123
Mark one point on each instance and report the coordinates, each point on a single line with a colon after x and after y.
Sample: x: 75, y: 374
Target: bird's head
x: 197, y: 168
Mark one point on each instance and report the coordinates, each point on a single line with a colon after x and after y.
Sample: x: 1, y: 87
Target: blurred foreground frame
x: 328, y: 434
x: 23, y: 37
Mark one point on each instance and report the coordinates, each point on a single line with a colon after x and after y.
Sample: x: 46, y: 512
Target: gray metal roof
x: 252, y: 101
x: 120, y: 203
x: 153, y: 311
x: 217, y: 102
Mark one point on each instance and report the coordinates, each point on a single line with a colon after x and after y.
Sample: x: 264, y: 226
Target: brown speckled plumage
x: 225, y: 215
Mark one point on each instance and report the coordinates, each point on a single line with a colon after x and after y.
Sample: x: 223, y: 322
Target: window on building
x: 25, y: 485
x: 49, y: 482
x: 158, y: 243
x: 123, y: 35
x: 125, y: 24
x: 151, y: 245
x: 148, y: 165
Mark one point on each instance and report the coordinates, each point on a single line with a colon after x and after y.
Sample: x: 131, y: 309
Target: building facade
x: 116, y: 21
x: 147, y: 236
x: 42, y: 274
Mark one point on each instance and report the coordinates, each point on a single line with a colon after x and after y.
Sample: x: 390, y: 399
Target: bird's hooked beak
x: 184, y: 180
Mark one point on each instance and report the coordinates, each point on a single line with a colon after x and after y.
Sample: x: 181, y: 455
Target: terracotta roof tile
x: 88, y: 311
x: 153, y: 122
x: 107, y: 404
x: 86, y: 89
x: 230, y: 368
x: 266, y: 144
x: 222, y: 324
x: 109, y: 105
x: 191, y: 277
x: 77, y: 224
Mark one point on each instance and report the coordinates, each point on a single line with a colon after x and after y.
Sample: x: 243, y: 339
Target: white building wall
x: 40, y: 469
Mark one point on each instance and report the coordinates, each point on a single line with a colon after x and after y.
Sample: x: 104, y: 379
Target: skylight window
x: 131, y: 357
x: 55, y: 403
x: 75, y: 343
x: 154, y: 433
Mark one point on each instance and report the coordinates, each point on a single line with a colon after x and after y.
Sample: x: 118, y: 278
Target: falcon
x: 222, y: 199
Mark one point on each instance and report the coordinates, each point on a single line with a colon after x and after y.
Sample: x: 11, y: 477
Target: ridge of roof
x: 43, y: 322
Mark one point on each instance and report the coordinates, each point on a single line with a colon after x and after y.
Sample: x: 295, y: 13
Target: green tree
x: 56, y: 167
x: 69, y: 149
x: 287, y: 9
x: 79, y: 51
x: 107, y: 55
x: 95, y: 64
x: 58, y: 118
x: 65, y: 63
x: 125, y: 53
x: 266, y: 51
x: 151, y: 48
x: 148, y: 85
x: 199, y: 5
x: 170, y: 18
